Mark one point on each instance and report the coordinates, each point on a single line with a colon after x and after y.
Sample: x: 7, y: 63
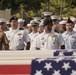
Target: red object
x: 15, y: 69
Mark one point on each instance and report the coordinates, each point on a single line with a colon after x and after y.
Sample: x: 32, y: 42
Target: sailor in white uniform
x: 49, y: 40
x: 17, y: 36
x: 69, y: 36
x: 33, y: 34
x: 61, y: 26
x: 55, y: 22
x: 41, y: 27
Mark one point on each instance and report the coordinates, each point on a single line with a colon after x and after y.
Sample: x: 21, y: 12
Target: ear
x: 73, y: 25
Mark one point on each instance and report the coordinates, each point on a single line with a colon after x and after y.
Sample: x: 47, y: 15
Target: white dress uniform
x: 74, y: 20
x: 74, y: 27
x: 49, y: 41
x: 17, y: 38
x: 33, y: 40
x: 70, y: 40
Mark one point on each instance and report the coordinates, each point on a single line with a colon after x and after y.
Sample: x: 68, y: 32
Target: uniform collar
x: 70, y: 33
x: 10, y: 29
x: 34, y: 33
x: 49, y: 33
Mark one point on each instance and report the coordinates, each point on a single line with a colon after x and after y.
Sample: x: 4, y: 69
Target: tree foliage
x: 67, y: 7
x: 28, y: 4
x: 33, y: 7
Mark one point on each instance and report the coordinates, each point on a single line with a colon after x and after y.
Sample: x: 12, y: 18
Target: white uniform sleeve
x: 38, y: 41
x: 60, y: 40
x: 26, y: 37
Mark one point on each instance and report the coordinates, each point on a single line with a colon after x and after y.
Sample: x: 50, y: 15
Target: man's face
x: 13, y: 23
x: 2, y: 26
x: 29, y: 29
x: 69, y: 27
x: 61, y: 26
x: 47, y: 28
x: 41, y: 28
x: 20, y: 24
x: 34, y: 27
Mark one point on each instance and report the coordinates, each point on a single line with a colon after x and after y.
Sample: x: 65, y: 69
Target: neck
x: 13, y: 28
x: 20, y: 26
x: 69, y: 32
x: 47, y: 32
x: 35, y: 31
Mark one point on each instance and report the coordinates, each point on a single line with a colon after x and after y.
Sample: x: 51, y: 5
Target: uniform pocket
x: 73, y: 41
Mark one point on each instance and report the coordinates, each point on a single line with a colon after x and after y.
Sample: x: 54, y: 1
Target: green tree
x: 28, y: 4
x: 35, y: 7
x: 64, y: 7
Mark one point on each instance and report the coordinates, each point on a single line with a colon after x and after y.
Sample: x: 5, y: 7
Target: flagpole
x: 61, y: 10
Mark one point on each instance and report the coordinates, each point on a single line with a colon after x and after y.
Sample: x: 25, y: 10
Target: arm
x: 38, y: 42
x: 61, y: 42
x: 37, y: 48
x: 62, y: 47
x: 6, y: 47
x: 5, y: 42
x: 28, y: 46
x: 26, y: 40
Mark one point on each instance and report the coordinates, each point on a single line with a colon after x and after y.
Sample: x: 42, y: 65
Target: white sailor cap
x: 37, y: 18
x: 31, y: 21
x: 63, y: 22
x: 21, y: 20
x: 54, y: 17
x: 73, y: 19
x: 28, y: 25
x: 2, y: 20
x: 65, y: 18
x: 34, y: 22
x: 41, y: 23
x: 7, y: 22
x: 47, y: 13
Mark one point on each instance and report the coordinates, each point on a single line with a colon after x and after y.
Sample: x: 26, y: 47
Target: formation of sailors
x: 48, y: 33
